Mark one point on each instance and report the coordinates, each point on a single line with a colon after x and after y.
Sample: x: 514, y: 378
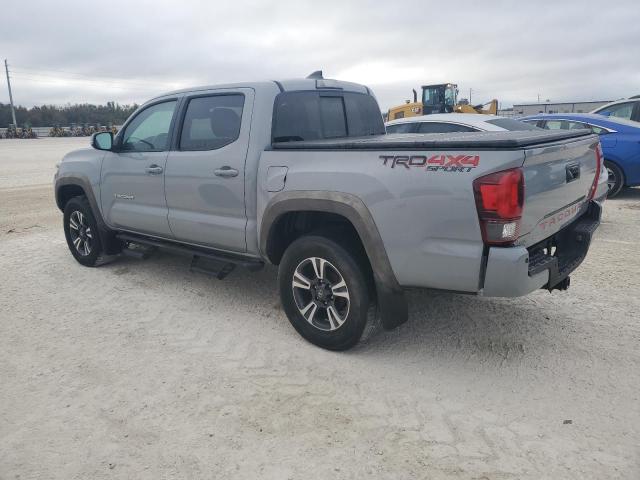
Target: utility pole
x: 13, y: 111
x: 538, y: 98
x: 470, y: 96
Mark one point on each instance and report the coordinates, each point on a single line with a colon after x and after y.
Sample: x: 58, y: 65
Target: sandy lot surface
x: 142, y: 370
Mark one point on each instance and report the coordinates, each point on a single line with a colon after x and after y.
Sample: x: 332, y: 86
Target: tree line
x: 49, y: 115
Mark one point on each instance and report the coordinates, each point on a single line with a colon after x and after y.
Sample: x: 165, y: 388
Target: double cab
x: 301, y: 174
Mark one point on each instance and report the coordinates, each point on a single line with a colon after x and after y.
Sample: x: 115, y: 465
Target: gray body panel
x: 419, y: 226
x: 551, y: 202
x: 427, y: 220
x: 204, y: 208
x: 507, y: 273
x: 131, y: 198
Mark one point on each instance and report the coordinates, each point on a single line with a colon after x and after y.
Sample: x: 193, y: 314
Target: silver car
x: 456, y: 122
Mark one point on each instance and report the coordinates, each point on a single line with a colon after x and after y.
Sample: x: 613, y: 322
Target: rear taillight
x: 499, y: 200
x: 594, y: 185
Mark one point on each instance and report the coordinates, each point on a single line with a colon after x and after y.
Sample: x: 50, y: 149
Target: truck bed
x: 454, y: 141
x: 427, y: 217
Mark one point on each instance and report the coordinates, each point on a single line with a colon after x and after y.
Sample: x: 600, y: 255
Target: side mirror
x: 606, y: 113
x: 102, y: 141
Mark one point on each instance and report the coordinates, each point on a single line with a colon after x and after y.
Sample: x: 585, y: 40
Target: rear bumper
x: 517, y: 271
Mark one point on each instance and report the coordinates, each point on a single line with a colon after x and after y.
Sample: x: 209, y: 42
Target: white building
x: 567, y: 107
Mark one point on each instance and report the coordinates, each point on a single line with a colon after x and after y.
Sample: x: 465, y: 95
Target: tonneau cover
x: 452, y: 141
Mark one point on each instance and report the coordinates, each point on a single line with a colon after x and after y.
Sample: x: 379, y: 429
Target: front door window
x: 149, y: 130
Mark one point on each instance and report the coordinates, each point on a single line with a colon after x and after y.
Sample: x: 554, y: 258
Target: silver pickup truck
x: 301, y: 174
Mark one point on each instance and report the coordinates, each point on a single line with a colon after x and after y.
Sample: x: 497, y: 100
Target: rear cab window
x: 333, y: 118
x: 317, y: 115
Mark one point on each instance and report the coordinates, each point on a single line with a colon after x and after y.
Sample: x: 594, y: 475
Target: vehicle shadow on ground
x: 626, y: 194
x: 456, y: 325
x: 439, y: 323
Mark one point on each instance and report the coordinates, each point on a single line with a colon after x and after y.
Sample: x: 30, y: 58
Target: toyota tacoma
x: 300, y: 174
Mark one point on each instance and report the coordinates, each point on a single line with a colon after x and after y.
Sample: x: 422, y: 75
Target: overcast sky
x: 65, y: 51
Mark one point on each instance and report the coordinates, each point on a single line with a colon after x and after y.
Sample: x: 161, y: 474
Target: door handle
x: 154, y: 169
x: 226, y: 172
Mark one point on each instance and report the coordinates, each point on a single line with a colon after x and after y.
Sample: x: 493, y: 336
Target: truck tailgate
x: 558, y: 178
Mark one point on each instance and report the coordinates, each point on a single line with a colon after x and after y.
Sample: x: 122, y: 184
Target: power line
x: 98, y: 83
x: 99, y: 78
x: 68, y: 73
x: 88, y: 79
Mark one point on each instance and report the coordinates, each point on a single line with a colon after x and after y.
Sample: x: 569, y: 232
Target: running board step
x: 215, y: 268
x: 140, y: 252
x: 211, y: 262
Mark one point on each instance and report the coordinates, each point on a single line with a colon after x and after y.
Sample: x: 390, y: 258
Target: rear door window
x: 533, y: 123
x: 565, y: 125
x: 576, y: 125
x: 211, y: 122
x: 598, y: 130
x: 556, y: 125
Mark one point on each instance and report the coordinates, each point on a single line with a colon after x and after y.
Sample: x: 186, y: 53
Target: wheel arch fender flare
x: 392, y: 304
x: 83, y: 183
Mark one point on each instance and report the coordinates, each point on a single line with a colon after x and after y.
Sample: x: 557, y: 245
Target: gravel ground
x: 142, y: 370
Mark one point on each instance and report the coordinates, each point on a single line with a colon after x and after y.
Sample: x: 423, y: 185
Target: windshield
x: 431, y: 96
x: 439, y: 94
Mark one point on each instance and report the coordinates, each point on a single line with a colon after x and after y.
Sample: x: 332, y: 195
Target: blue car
x: 620, y: 140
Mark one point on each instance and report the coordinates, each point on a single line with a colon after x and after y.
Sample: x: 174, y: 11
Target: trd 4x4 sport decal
x: 434, y: 163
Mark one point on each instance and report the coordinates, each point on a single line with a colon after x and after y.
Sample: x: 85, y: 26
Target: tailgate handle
x: 573, y: 172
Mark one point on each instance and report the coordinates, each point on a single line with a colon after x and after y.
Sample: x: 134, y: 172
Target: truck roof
x: 283, y: 85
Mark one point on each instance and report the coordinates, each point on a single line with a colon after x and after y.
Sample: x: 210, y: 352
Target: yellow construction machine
x: 440, y: 98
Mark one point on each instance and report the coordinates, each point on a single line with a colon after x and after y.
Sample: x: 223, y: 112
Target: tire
x: 615, y: 182
x: 81, y: 232
x: 336, y: 308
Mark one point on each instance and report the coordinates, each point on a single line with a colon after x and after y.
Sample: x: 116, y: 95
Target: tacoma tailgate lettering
x: 560, y: 217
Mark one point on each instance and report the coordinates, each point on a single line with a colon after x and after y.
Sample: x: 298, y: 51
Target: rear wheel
x: 81, y: 232
x: 615, y: 180
x: 324, y: 292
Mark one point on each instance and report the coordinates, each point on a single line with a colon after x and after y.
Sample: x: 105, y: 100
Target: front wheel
x: 324, y: 292
x: 615, y: 179
x: 81, y: 232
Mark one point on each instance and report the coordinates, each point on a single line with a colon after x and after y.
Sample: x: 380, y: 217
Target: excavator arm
x: 489, y: 108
